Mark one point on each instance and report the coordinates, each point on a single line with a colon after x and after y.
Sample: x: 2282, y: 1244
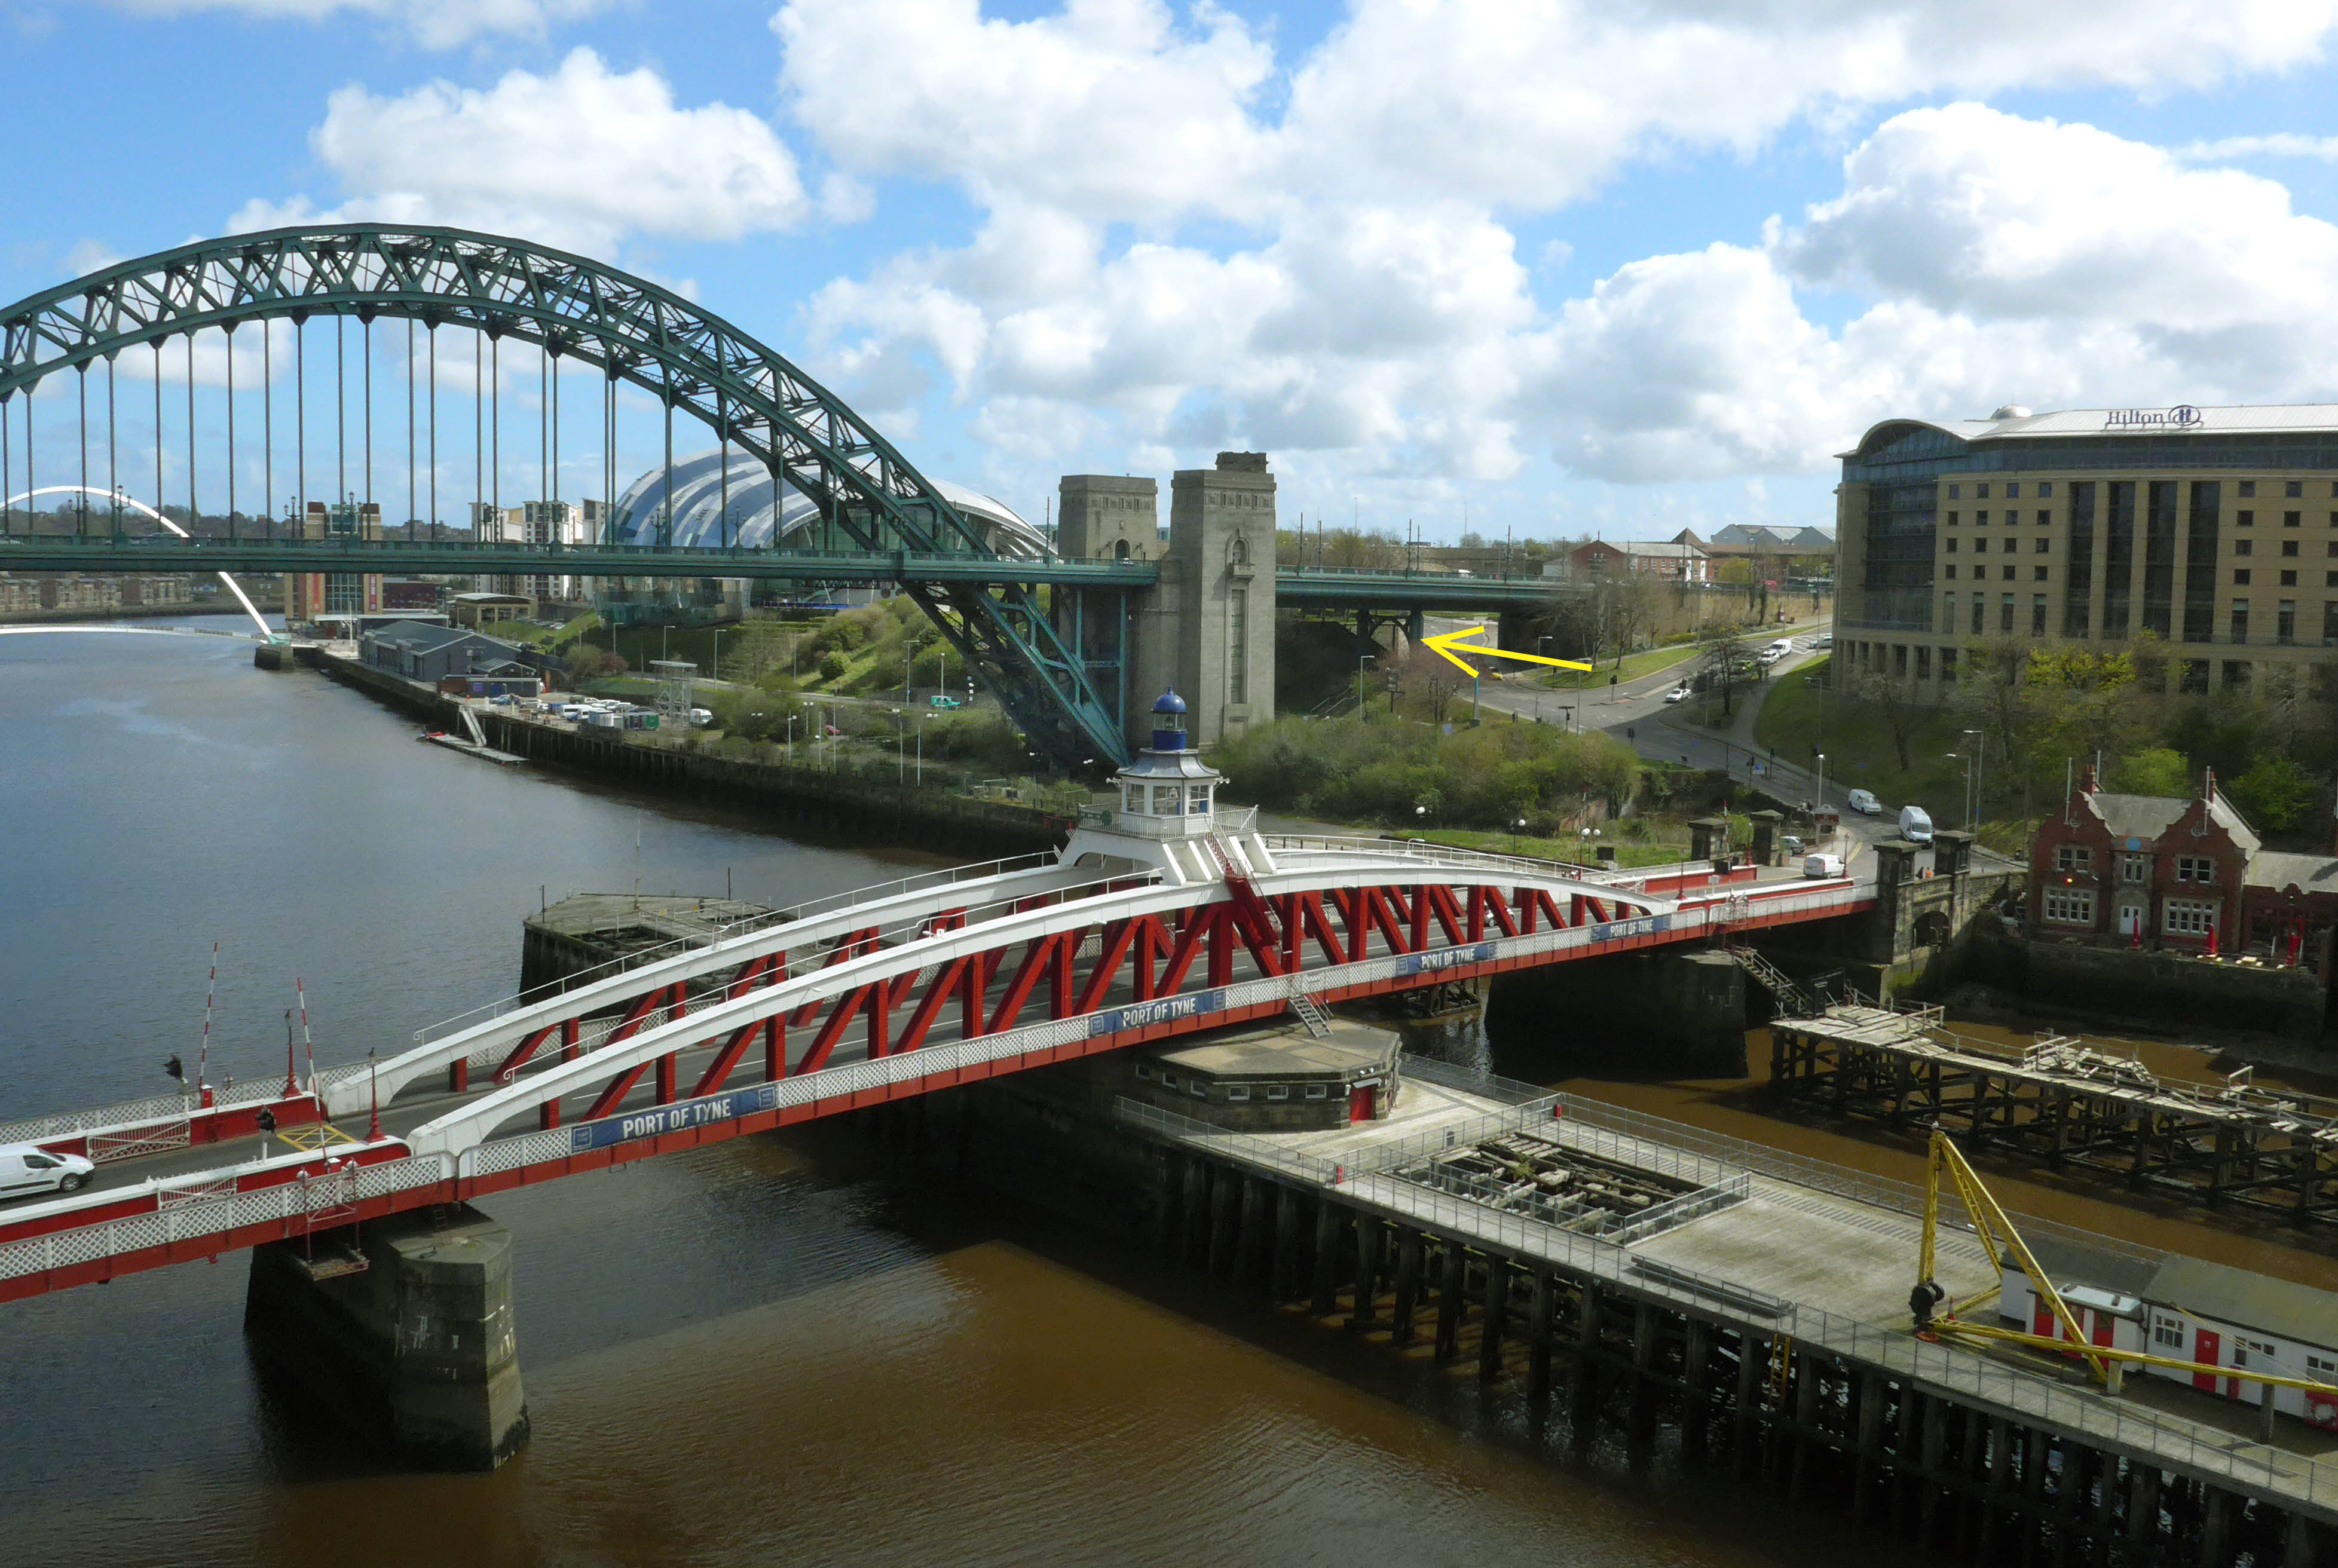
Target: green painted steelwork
x: 634, y: 331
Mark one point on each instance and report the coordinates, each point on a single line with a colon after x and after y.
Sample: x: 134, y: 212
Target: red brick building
x: 2149, y: 871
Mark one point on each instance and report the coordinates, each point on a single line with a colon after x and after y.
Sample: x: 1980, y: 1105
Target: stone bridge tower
x: 1210, y: 631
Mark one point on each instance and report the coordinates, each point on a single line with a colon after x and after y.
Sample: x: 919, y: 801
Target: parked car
x: 1915, y: 825
x: 1791, y: 843
x: 1865, y: 804
x: 27, y: 1169
x: 1821, y: 864
x: 1824, y: 640
x: 1679, y: 693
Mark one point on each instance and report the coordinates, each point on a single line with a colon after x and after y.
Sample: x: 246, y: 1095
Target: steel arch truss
x: 632, y: 329
x: 867, y: 993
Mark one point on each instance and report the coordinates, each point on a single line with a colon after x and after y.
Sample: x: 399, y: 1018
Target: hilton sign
x: 2183, y: 417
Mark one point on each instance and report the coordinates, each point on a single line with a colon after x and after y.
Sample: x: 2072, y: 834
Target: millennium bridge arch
x: 869, y: 497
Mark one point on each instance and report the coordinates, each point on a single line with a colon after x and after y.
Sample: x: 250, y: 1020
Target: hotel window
x: 2284, y: 625
x: 2011, y: 545
x: 2245, y: 547
x: 2196, y: 868
x: 1899, y: 660
x: 2045, y: 547
x: 2005, y: 613
x: 2074, y: 858
x: 2046, y: 490
x: 1980, y: 546
x: 1948, y: 612
x: 2045, y: 519
x: 1952, y: 516
x: 2289, y: 580
x: 1923, y: 663
x: 1948, y: 661
x: 2330, y: 617
x: 1952, y: 495
x: 1980, y: 608
x: 2013, y: 491
x: 1952, y: 544
x: 2244, y: 519
x: 2237, y: 674
x: 2240, y: 624
x: 2188, y: 917
x: 2038, y: 612
x: 2240, y: 576
x: 1952, y: 572
x: 2005, y: 571
x: 2332, y: 550
x: 2070, y: 906
x: 1980, y: 519
x: 2292, y: 519
x: 1981, y: 492
x: 2135, y: 868
x: 2249, y: 490
x: 2293, y: 488
x: 2289, y: 546
x: 2038, y: 574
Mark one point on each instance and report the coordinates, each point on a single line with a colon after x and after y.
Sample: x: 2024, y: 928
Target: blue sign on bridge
x: 1145, y: 1014
x: 658, y: 1120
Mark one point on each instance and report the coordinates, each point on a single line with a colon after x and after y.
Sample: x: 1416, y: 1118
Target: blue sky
x: 1575, y: 268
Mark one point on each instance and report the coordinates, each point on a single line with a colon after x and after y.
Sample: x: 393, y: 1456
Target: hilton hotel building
x: 2215, y: 530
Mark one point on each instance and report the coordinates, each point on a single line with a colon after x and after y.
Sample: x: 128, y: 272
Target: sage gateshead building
x: 2214, y: 531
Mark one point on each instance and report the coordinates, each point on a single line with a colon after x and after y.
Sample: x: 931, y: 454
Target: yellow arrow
x: 1448, y: 642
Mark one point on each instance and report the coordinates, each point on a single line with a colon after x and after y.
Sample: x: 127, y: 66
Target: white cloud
x: 2283, y: 144
x: 434, y: 24
x: 577, y: 159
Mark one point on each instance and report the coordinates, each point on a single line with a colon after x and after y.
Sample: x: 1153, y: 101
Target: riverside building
x: 2214, y: 531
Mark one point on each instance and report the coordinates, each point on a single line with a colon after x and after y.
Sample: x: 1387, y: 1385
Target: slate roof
x: 2307, y: 873
x: 2299, y: 1314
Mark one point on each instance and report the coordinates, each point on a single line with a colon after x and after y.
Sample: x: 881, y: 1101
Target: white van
x: 1821, y: 864
x: 27, y: 1169
x: 1915, y: 825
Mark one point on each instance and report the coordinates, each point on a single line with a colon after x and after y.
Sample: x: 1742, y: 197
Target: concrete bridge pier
x: 403, y: 1327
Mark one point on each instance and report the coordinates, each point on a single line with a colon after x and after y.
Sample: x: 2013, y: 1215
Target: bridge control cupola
x: 1169, y: 722
x: 1168, y: 792
x: 1166, y: 814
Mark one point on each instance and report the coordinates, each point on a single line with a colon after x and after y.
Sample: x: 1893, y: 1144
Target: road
x: 1635, y: 712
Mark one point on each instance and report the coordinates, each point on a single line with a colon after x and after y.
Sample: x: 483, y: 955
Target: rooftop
x: 2179, y: 419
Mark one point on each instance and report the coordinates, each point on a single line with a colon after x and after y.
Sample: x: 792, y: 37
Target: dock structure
x: 1755, y: 1301
x: 2067, y: 1104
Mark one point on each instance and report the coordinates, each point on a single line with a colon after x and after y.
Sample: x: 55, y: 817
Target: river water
x: 768, y: 1350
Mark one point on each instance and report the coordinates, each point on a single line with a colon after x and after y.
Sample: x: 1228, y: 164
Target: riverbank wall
x: 952, y: 823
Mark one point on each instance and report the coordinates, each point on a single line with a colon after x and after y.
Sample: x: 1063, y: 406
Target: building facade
x: 311, y: 596
x: 2178, y: 875
x: 2211, y: 531
x: 1672, y: 560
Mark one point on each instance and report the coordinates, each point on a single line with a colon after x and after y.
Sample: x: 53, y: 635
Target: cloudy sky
x: 1566, y: 266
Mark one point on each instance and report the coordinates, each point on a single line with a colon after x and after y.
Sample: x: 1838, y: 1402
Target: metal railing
x: 2029, y: 1397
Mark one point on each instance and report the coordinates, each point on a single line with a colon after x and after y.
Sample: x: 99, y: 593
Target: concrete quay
x: 1767, y: 1323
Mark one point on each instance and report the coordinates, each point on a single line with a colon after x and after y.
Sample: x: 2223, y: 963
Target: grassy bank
x: 1402, y: 773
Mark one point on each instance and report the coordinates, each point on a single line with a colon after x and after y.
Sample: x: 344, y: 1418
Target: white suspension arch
x: 267, y: 633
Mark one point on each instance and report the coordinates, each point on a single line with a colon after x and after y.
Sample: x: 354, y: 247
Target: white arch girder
x: 473, y: 1122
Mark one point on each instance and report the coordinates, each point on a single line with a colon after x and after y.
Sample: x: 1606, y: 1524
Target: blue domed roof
x: 1170, y: 702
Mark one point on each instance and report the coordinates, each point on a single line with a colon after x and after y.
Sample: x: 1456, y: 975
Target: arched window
x: 1120, y: 550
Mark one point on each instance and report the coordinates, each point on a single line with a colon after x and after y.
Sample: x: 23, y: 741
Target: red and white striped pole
x: 203, y: 1056
x: 307, y: 1044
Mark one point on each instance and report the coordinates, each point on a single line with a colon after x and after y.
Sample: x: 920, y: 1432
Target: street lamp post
x: 1965, y: 756
x: 1821, y: 759
x: 1973, y: 780
x: 1362, y: 659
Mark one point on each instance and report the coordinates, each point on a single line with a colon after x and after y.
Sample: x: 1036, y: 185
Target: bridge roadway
x: 1314, y: 587
x: 841, y: 1004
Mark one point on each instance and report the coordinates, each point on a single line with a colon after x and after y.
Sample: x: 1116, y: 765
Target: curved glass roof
x: 698, y: 509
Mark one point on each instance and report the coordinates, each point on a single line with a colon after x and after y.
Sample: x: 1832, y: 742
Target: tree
x: 2275, y: 792
x: 1895, y: 703
x: 2159, y: 770
x: 1725, y: 658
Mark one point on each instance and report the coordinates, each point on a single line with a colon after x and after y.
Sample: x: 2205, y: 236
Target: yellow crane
x: 1997, y: 1235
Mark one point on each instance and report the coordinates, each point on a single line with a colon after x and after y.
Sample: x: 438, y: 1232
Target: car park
x: 1865, y: 803
x: 27, y: 1167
